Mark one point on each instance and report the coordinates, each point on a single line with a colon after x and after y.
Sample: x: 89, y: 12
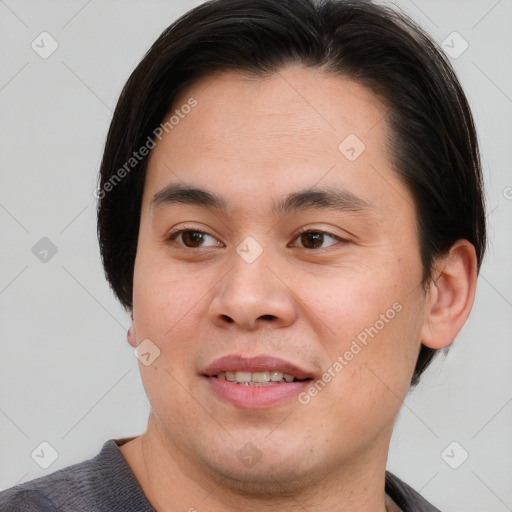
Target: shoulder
x: 47, y: 493
x: 17, y: 499
x: 406, y: 497
x: 104, y: 482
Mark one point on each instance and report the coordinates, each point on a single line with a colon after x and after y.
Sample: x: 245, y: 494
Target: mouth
x: 264, y: 378
x: 256, y: 370
x: 255, y: 382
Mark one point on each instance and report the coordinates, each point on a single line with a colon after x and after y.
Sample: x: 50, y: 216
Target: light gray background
x: 67, y: 374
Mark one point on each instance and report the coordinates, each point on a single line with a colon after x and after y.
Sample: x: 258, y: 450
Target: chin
x: 264, y: 479
x: 275, y: 470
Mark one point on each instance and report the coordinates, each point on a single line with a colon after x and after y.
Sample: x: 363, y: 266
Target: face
x: 300, y: 257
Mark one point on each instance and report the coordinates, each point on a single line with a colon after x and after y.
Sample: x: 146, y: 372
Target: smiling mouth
x: 265, y: 378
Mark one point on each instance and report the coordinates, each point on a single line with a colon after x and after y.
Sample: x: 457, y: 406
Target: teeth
x: 260, y: 377
x: 243, y: 377
x: 256, y: 378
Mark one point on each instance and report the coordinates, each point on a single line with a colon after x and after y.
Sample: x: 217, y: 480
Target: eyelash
x: 172, y: 236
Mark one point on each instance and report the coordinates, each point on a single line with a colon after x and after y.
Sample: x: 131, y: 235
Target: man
x: 290, y: 207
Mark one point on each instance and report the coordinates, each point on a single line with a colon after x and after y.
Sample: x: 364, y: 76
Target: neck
x: 172, y: 481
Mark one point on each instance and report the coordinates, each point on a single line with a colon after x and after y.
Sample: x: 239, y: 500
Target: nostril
x: 267, y: 317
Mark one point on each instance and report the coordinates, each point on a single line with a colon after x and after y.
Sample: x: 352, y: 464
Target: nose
x: 253, y: 294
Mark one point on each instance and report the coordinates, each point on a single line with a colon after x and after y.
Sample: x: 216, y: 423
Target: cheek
x: 378, y: 359
x: 164, y: 300
x: 370, y: 325
x: 165, y: 312
x: 346, y: 301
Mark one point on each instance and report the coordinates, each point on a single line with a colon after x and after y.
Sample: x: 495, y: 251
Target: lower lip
x: 256, y: 397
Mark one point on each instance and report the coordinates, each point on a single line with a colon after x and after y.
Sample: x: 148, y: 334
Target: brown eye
x: 315, y: 239
x: 192, y: 238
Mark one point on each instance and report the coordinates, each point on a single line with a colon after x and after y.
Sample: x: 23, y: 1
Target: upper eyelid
x: 312, y: 230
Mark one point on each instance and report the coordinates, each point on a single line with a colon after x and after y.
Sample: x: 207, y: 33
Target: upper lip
x: 260, y: 363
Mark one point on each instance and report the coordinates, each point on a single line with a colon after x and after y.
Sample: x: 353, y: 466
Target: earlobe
x: 130, y: 334
x: 451, y: 295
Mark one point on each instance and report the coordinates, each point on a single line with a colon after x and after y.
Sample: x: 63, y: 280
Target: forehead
x: 296, y: 100
x: 294, y: 128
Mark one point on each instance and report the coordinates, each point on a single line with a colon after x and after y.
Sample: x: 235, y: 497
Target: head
x: 300, y: 179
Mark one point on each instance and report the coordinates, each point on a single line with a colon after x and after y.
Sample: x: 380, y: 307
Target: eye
x: 312, y: 239
x: 193, y: 238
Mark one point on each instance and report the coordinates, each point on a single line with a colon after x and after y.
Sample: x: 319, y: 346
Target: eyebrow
x: 318, y: 197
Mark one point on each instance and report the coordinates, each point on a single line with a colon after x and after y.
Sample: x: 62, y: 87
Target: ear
x: 451, y: 295
x: 130, y: 335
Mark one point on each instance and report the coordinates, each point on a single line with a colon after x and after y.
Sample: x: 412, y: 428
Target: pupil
x: 315, y: 238
x: 192, y: 237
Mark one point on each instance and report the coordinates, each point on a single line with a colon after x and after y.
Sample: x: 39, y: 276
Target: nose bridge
x: 250, y: 292
x: 250, y: 270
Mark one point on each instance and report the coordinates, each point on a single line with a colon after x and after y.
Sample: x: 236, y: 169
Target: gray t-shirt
x: 106, y: 483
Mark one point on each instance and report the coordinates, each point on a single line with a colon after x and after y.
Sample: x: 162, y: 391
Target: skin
x: 253, y: 141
